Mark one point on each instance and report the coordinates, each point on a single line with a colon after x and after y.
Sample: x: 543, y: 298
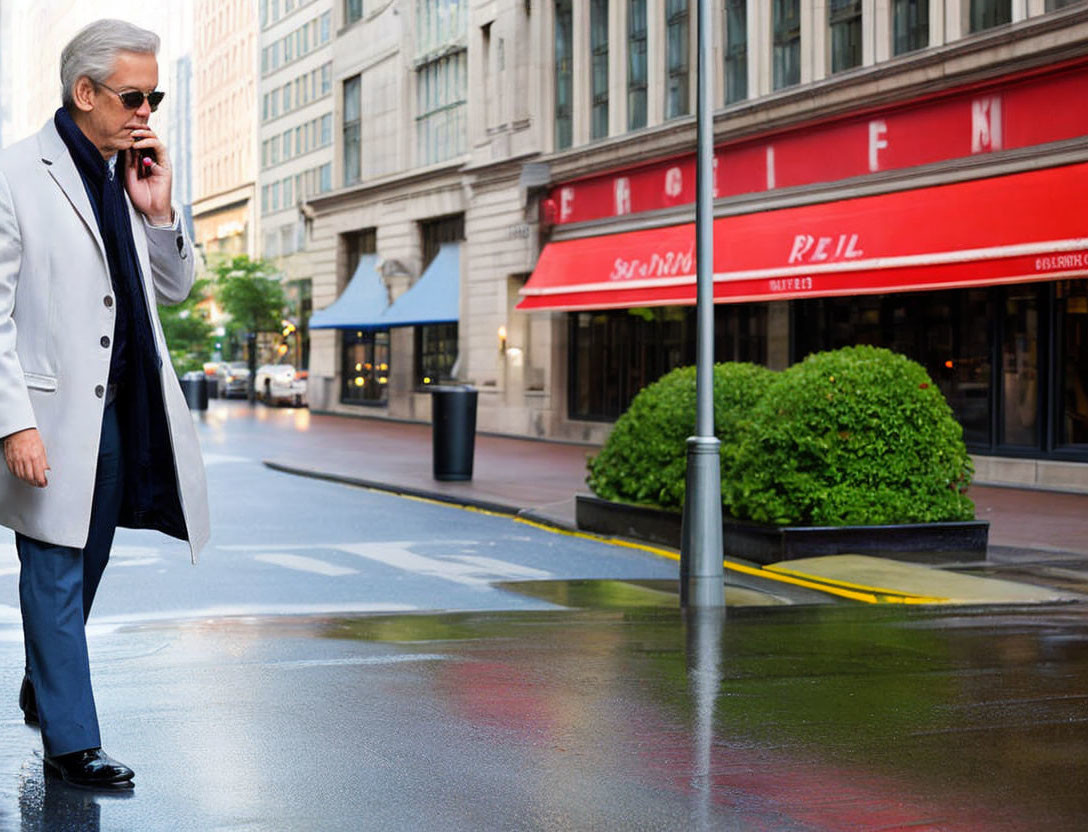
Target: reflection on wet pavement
x: 776, y: 718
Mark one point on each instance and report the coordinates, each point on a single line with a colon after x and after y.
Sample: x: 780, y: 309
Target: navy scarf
x: 150, y: 490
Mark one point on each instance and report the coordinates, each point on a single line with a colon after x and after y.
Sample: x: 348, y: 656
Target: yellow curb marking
x: 841, y: 589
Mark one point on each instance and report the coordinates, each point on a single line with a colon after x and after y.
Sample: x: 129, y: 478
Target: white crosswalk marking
x: 469, y: 570
x: 305, y: 564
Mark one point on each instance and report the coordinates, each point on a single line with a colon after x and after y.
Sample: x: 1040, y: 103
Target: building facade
x: 225, y: 70
x: 296, y: 143
x: 897, y: 172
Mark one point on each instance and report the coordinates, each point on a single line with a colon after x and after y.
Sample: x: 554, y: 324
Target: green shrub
x: 858, y: 436
x: 644, y: 459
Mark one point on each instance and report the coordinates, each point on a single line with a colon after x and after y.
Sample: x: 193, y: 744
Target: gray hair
x: 93, y: 52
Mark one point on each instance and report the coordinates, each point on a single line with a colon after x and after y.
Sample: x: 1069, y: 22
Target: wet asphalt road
x: 514, y: 713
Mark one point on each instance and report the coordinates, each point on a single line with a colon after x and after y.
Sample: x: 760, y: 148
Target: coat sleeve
x: 172, y: 262
x: 16, y: 413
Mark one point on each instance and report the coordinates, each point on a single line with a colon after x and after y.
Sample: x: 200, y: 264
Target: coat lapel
x: 58, y: 161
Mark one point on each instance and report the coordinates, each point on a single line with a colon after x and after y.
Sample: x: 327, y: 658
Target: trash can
x: 195, y: 388
x: 211, y: 384
x: 453, y: 414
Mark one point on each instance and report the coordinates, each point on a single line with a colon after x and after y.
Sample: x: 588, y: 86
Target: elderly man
x: 95, y: 429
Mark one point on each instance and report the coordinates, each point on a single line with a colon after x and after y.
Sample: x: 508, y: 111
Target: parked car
x: 232, y: 378
x: 281, y: 384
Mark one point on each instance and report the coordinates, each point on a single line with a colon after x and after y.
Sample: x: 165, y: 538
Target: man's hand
x: 24, y: 453
x: 151, y: 194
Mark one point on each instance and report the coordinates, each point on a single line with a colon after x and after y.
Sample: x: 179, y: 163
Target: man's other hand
x: 24, y: 453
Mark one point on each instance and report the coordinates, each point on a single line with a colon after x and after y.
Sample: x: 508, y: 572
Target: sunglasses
x: 134, y: 99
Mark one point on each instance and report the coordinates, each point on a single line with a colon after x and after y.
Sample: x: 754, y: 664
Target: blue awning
x: 362, y: 303
x: 436, y: 296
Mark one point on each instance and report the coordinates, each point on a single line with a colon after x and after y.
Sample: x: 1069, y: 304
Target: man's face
x: 109, y: 121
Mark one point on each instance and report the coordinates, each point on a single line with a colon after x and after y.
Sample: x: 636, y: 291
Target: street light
x: 702, y: 575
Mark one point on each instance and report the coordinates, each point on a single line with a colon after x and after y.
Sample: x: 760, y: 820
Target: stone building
x: 898, y: 172
x: 225, y: 70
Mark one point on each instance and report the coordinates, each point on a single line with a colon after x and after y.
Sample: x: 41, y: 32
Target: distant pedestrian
x: 94, y: 426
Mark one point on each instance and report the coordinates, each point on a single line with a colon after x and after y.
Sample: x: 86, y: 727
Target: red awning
x: 1006, y: 229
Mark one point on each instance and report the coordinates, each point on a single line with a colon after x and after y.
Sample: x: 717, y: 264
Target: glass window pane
x: 636, y: 64
x: 844, y: 20
x: 599, y: 46
x: 1020, y: 367
x: 1072, y: 297
x: 677, y: 39
x: 985, y: 14
x: 736, y: 50
x: 564, y: 74
x: 910, y: 25
x: 787, y: 43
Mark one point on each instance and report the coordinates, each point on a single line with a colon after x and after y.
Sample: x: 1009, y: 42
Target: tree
x: 251, y: 293
x: 187, y: 332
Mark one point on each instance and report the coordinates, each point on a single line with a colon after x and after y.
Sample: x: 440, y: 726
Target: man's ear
x: 84, y: 94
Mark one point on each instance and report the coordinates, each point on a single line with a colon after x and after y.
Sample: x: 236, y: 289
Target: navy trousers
x: 57, y: 585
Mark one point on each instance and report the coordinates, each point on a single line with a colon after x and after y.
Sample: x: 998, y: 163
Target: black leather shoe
x: 92, y: 769
x: 28, y: 702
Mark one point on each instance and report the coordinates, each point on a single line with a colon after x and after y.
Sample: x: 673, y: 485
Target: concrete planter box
x: 916, y: 542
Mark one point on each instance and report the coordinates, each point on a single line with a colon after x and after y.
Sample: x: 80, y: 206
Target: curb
x: 400, y: 490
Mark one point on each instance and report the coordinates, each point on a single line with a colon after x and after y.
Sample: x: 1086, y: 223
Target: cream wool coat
x: 54, y: 315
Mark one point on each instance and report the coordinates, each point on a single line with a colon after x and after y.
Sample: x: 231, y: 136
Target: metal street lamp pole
x: 702, y: 577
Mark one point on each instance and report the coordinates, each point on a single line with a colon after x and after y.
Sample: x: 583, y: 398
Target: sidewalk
x: 523, y: 475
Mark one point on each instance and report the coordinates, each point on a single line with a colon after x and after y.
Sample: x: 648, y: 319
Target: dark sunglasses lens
x: 155, y: 99
x: 132, y: 100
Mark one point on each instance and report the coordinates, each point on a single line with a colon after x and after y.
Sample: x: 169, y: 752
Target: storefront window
x: 787, y: 43
x: 844, y: 20
x: 736, y: 50
x: 910, y: 25
x: 985, y: 14
x: 564, y: 74
x: 677, y: 98
x: 365, y: 367
x: 598, y: 14
x: 615, y: 354
x: 1020, y: 367
x: 637, y: 68
x: 436, y: 353
x: 1072, y: 312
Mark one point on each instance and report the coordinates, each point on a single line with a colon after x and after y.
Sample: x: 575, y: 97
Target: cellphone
x: 143, y: 170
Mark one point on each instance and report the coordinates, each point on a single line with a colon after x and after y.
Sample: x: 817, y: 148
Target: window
x: 985, y: 14
x: 598, y: 14
x: 787, y: 43
x: 1072, y: 343
x: 910, y: 25
x: 844, y: 19
x: 352, y: 130
x: 364, y: 367
x: 287, y: 145
x: 1054, y: 5
x: 288, y: 192
x: 356, y: 244
x: 326, y: 130
x: 326, y: 177
x: 677, y: 96
x: 436, y: 353
x: 440, y: 23
x: 299, y: 147
x: 637, y: 65
x: 433, y: 233
x: 326, y: 79
x: 264, y: 200
x: 274, y: 151
x: 441, y: 96
x: 564, y: 74
x: 353, y: 10
x: 275, y: 196
x: 615, y: 354
x: 326, y: 27
x: 287, y: 239
x: 736, y: 50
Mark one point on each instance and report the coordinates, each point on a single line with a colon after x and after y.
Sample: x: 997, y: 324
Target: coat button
x: 100, y: 391
x: 108, y: 301
x: 105, y: 342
